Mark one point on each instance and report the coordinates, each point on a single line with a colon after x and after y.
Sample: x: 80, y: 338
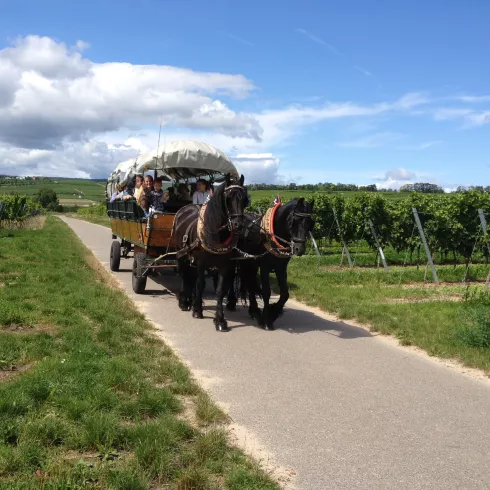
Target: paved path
x: 342, y: 407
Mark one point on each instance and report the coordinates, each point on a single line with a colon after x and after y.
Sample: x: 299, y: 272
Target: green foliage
x: 474, y: 329
x: 16, y: 207
x: 99, y: 210
x: 65, y: 188
x: 48, y: 199
x: 451, y: 222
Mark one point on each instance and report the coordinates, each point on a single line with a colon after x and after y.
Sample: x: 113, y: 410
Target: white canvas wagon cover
x: 185, y: 158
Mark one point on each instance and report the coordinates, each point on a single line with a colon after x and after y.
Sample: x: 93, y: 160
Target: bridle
x: 295, y: 214
x: 275, y: 244
x: 229, y: 215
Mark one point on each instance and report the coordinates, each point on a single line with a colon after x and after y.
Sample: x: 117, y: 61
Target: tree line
x: 425, y: 188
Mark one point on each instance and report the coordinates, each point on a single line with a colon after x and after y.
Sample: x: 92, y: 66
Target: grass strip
x: 450, y: 320
x: 89, y: 397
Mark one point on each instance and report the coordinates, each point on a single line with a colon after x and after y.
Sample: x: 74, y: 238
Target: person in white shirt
x: 202, y: 193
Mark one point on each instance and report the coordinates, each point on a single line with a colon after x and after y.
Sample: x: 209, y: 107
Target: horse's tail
x: 246, y: 281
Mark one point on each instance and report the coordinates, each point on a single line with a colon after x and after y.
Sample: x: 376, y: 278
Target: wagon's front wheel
x: 139, y: 281
x: 115, y: 259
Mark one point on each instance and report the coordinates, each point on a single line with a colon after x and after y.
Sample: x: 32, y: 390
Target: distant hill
x: 71, y: 191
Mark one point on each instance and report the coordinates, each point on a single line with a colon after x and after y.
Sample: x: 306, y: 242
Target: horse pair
x: 221, y: 235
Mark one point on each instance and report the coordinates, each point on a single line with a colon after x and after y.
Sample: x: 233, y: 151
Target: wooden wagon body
x: 149, y: 238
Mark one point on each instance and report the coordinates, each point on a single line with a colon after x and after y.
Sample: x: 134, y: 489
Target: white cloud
x: 395, y: 178
x: 259, y: 168
x: 63, y: 114
x: 90, y: 159
x: 400, y: 174
x: 443, y: 114
x: 469, y: 116
x: 49, y: 92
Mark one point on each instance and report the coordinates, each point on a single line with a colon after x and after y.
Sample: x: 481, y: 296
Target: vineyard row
x: 451, y: 223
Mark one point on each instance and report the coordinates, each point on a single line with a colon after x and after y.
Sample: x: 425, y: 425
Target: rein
x: 267, y: 226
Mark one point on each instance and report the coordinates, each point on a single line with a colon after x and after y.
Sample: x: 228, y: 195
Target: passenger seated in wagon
x: 138, y: 186
x: 115, y: 193
x: 201, y: 194
x: 125, y: 194
x: 149, y: 182
x: 183, y: 192
x: 157, y: 196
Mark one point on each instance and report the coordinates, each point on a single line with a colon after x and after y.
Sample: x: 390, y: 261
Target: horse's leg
x: 276, y: 309
x: 266, y: 295
x: 223, y: 284
x: 200, y: 285
x: 253, y: 290
x: 215, y: 281
x: 183, y: 269
x: 232, y: 299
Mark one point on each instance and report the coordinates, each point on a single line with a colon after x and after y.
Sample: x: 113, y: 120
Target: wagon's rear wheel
x: 115, y: 259
x: 139, y: 281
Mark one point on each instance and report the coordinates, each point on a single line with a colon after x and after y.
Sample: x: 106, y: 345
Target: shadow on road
x: 294, y: 321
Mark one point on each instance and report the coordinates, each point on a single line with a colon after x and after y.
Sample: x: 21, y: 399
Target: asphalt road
x: 342, y: 407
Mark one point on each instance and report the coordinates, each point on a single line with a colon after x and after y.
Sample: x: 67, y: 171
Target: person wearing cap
x: 202, y: 193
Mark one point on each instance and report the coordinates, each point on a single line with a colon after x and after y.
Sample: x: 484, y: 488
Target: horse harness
x: 272, y: 244
x: 200, y: 241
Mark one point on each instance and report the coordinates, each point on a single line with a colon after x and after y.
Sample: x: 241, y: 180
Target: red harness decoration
x: 267, y: 224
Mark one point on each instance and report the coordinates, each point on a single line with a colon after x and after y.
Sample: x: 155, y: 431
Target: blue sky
x: 304, y: 60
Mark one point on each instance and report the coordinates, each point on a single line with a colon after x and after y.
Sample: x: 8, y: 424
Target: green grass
x: 64, y: 188
x: 435, y: 318
x: 89, y: 397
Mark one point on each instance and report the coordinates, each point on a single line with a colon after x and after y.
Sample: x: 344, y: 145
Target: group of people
x: 155, y: 198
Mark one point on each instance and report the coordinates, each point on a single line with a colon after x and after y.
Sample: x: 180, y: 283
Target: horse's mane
x: 286, y: 210
x: 286, y: 214
x: 215, y: 216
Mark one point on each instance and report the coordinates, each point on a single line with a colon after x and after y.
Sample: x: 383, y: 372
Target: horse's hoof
x: 269, y: 327
x: 197, y: 314
x: 222, y: 327
x: 231, y: 306
x: 255, y: 315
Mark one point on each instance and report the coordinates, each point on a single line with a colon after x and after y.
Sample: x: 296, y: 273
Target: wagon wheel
x: 115, y: 258
x: 138, y: 280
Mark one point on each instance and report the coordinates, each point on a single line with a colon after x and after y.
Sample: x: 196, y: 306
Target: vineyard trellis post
x: 342, y: 238
x: 426, y: 246
x: 378, y: 245
x: 2, y: 208
x: 485, y: 237
x: 314, y: 244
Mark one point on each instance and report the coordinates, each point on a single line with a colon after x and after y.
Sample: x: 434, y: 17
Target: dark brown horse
x: 273, y: 239
x: 205, y: 237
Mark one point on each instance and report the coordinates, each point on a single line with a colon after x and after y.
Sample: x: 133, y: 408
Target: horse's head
x: 236, y: 200
x: 300, y: 223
